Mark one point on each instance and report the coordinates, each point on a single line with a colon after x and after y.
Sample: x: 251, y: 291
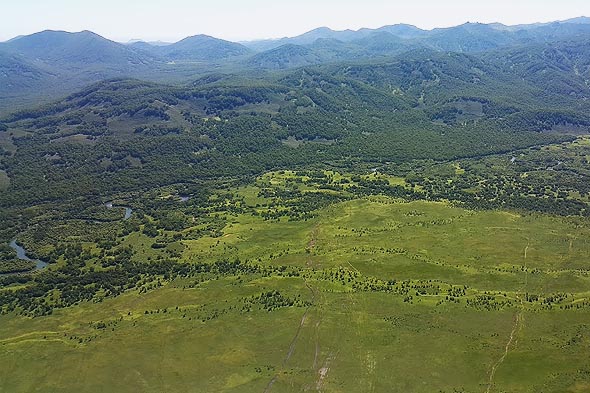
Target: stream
x: 21, y: 253
x: 128, y: 210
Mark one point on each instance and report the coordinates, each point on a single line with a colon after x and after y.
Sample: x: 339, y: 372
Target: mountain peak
x: 578, y: 20
x: 322, y: 29
x: 200, y: 37
x: 199, y: 47
x: 56, y: 47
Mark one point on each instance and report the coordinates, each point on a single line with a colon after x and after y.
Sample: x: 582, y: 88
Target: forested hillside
x: 59, y: 63
x: 422, y: 105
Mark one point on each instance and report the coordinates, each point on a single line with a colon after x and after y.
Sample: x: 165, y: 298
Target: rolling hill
x: 60, y: 49
x: 197, y: 48
x: 49, y: 64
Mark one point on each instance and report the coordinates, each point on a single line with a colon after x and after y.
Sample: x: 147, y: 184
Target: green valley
x: 380, y: 210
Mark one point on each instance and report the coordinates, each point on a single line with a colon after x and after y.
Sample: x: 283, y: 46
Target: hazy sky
x: 170, y: 20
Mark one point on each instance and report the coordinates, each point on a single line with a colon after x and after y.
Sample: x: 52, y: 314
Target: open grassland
x: 376, y: 294
x: 346, y: 341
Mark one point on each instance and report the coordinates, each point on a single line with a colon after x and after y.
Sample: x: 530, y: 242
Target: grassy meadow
x: 387, y: 296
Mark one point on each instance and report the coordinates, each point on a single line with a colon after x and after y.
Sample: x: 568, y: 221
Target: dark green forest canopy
x: 119, y: 135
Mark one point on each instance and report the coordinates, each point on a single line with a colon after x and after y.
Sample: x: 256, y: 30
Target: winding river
x: 22, y: 254
x: 128, y: 210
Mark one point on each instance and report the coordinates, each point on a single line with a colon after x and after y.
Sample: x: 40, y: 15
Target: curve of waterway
x: 21, y: 253
x: 128, y: 210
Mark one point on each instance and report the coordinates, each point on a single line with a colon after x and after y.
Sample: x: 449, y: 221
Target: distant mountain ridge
x: 60, y: 48
x: 40, y: 67
x: 394, y: 39
x: 404, y: 31
x: 199, y: 47
x: 53, y: 63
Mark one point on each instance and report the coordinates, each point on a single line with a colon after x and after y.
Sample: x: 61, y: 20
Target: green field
x: 371, y: 294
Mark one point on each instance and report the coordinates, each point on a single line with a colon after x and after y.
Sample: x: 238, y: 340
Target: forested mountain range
x: 469, y: 37
x: 423, y: 104
x: 196, y: 48
x: 51, y: 64
x: 329, y: 98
